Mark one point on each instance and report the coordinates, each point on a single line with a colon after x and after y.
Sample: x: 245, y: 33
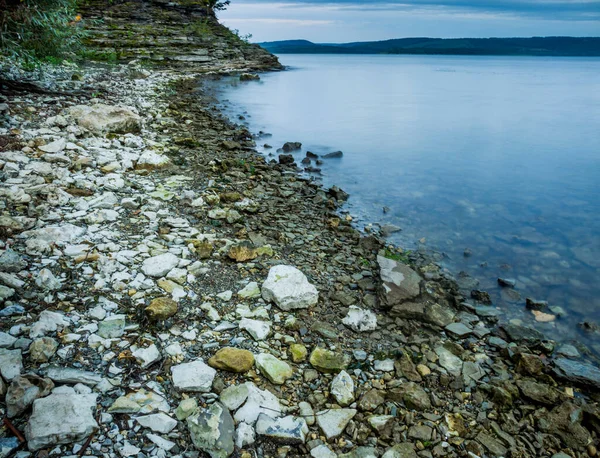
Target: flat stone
x: 23, y: 391
x: 342, y: 389
x: 159, y: 266
x: 449, y: 361
x: 328, y: 361
x: 101, y: 118
x: 287, y: 430
x: 61, y: 419
x: 232, y: 360
x: 140, y: 401
x: 259, y: 330
x: 159, y: 422
x: 539, y: 392
x: 55, y: 147
x: 333, y: 421
x: 399, y: 282
x: 48, y: 322
x: 360, y: 320
x: 112, y: 327
x: 577, y: 372
x: 413, y: 396
x: 195, y: 376
x: 322, y: 451
x: 249, y: 402
x: 70, y: 375
x: 151, y: 160
x: 6, y: 340
x: 185, y: 408
x: 404, y: 450
x: 250, y: 291
x: 518, y: 333
x: 147, y: 356
x: 289, y: 288
x: 211, y: 430
x: 384, y: 365
x: 11, y: 363
x: 459, y: 329
x: 275, y: 370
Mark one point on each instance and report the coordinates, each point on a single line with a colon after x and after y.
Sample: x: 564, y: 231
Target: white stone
x: 101, y: 118
x: 342, y: 389
x: 61, y: 418
x: 158, y: 266
x: 385, y: 365
x: 244, y: 435
x: 322, y: 451
x: 194, y: 376
x: 48, y: 322
x: 289, y: 288
x: 97, y: 313
x: 147, y: 356
x: 306, y: 411
x: 360, y: 320
x: 333, y: 421
x: 128, y: 449
x: 225, y: 296
x: 288, y: 430
x: 55, y: 147
x: 259, y: 330
x: 152, y: 160
x: 6, y: 340
x: 250, y: 402
x: 163, y: 443
x: 158, y: 422
x: 47, y: 281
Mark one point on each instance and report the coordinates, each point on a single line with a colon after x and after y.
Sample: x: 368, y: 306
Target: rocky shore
x: 165, y: 291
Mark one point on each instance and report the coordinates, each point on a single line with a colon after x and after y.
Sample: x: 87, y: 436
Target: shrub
x: 35, y: 30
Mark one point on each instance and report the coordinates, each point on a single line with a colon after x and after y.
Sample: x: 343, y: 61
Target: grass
x: 401, y: 256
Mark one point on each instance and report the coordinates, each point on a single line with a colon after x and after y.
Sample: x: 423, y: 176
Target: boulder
x: 289, y: 288
x: 103, y: 119
x: 61, y: 418
x: 399, y: 283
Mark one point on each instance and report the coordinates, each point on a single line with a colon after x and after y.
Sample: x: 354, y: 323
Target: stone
x: 158, y: 422
x: 565, y: 421
x: 249, y: 402
x: 161, y: 442
x: 232, y: 360
x: 413, y: 396
x: 185, y: 408
x: 529, y: 364
x: 159, y: 266
x: 406, y: 368
x: 577, y: 372
x: 244, y: 435
x: 286, y: 430
x: 6, y: 340
x: 289, y: 288
x: 211, y: 430
x: 322, y: 451
x: 102, y: 119
x: 147, y: 356
x: 459, y: 329
x: 399, y: 282
x: 140, y: 401
x: 538, y: 392
x: 370, y: 400
x: 518, y: 333
x: 404, y: 450
x: 161, y: 308
x: 48, y: 321
x: 11, y: 363
x: 333, y: 421
x: 46, y: 280
x: 70, y: 375
x: 259, y: 330
x: 493, y: 445
x: 291, y: 146
x: 112, y: 327
x: 11, y: 261
x: 241, y: 252
x: 298, y: 352
x: 384, y: 365
x: 306, y: 411
x: 151, y: 160
x: 23, y: 390
x: 42, y: 349
x: 421, y: 433
x: 452, y: 363
x: 61, y: 418
x: 360, y: 320
x: 54, y: 147
x: 328, y: 361
x: 250, y: 291
x: 275, y: 370
x: 342, y: 389
x: 195, y: 376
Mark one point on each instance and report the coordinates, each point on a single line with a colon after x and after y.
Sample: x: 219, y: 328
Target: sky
x: 338, y: 21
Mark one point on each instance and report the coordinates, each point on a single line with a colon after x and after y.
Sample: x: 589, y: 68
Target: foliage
x: 215, y: 5
x: 400, y: 256
x: 38, y: 30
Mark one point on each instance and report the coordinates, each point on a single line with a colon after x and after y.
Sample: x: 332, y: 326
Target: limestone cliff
x: 174, y: 33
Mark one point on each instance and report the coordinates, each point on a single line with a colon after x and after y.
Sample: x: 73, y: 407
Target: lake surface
x: 498, y: 155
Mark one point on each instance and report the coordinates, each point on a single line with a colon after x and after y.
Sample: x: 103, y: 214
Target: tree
x: 32, y: 30
x: 212, y: 6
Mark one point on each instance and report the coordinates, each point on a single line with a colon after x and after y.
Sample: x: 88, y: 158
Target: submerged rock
x: 577, y: 372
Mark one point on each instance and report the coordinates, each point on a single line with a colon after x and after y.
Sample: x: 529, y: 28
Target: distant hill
x: 536, y: 46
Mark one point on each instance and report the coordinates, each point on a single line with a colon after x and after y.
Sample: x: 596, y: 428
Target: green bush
x: 38, y: 30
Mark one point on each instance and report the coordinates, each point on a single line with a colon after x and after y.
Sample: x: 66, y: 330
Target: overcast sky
x: 351, y: 20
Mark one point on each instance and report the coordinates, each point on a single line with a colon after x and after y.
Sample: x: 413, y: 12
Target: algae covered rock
x: 328, y: 361
x: 212, y: 430
x: 161, y: 308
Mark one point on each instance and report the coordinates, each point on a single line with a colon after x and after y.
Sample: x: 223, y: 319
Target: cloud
x: 587, y: 10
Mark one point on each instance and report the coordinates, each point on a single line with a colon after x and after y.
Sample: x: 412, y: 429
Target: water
x: 500, y: 155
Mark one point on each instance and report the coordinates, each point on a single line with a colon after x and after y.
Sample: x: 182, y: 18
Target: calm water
x: 497, y: 155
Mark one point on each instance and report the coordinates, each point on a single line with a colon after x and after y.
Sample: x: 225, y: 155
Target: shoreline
x: 426, y: 377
